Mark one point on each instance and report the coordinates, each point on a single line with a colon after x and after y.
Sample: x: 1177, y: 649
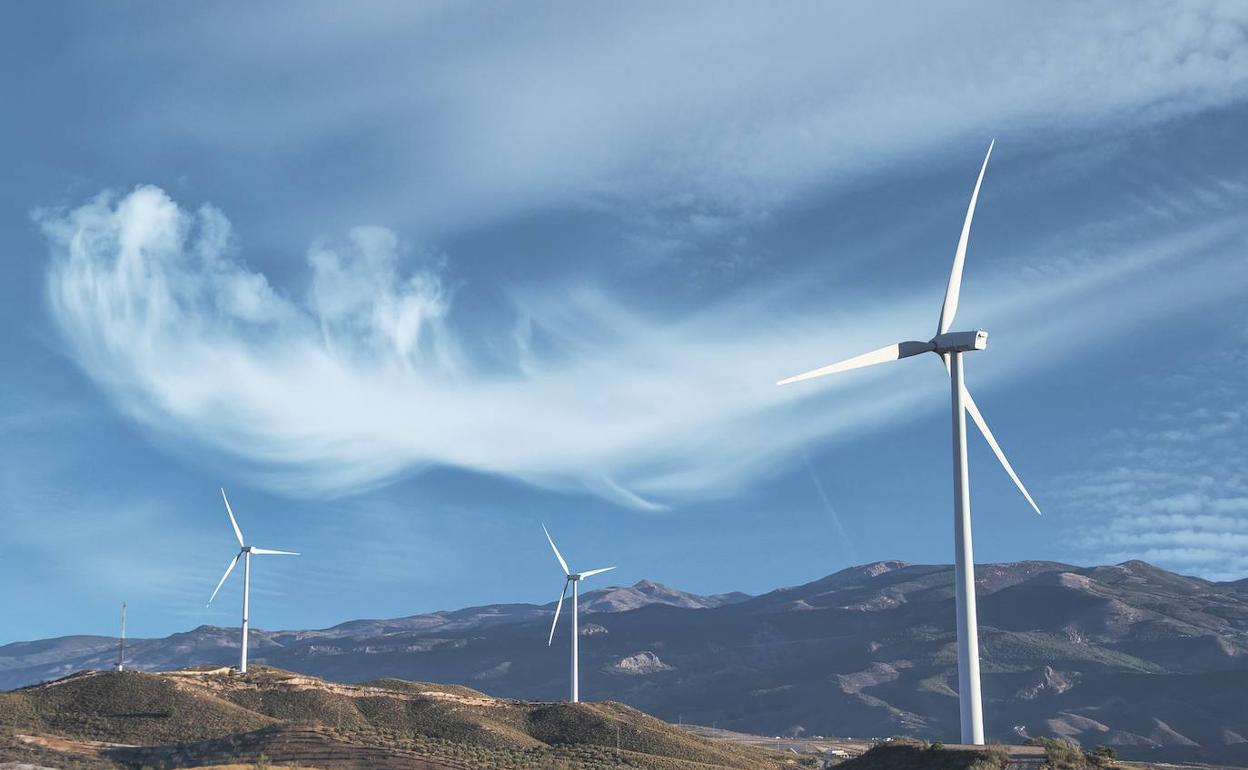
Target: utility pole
x: 121, y: 643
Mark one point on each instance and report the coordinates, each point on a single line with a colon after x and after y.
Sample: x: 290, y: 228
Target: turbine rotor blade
x: 973, y: 410
x: 593, y: 572
x: 954, y: 289
x: 238, y: 533
x: 272, y: 552
x: 221, y: 582
x: 883, y: 355
x: 558, y: 555
x: 558, y: 607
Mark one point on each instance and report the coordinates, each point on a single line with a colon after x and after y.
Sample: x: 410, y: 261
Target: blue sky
x: 410, y: 282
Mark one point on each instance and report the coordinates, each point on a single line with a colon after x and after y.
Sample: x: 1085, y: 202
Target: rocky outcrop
x: 640, y: 664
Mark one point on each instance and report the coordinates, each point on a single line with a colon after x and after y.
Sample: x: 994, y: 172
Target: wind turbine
x: 950, y: 346
x: 121, y: 643
x: 573, y: 578
x: 245, y: 551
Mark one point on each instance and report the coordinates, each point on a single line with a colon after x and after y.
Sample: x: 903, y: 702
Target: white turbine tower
x: 244, y: 553
x: 574, y: 578
x: 950, y: 346
x: 121, y: 643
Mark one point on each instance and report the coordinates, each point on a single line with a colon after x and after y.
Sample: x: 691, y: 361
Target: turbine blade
x: 238, y: 533
x: 973, y: 410
x: 558, y: 607
x: 558, y: 555
x: 593, y: 572
x: 275, y: 553
x: 954, y: 289
x: 883, y: 355
x: 221, y: 582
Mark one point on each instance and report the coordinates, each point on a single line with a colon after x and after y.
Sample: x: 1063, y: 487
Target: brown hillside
x: 196, y: 718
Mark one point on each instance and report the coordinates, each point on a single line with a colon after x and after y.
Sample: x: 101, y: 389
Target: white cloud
x: 367, y: 376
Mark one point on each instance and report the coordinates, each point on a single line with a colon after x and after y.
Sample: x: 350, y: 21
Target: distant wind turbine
x: 572, y: 578
x: 244, y: 553
x: 950, y: 346
x: 121, y: 643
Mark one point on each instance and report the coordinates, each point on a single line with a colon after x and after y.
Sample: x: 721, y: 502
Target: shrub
x: 1064, y: 754
x: 995, y: 757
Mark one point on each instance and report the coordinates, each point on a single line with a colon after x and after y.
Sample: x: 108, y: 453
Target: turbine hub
x: 960, y: 342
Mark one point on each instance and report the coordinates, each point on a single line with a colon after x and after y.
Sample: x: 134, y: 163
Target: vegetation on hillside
x: 910, y: 754
x: 1066, y: 755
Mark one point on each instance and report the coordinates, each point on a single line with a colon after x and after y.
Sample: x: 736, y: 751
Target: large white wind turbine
x: 950, y: 346
x: 574, y: 578
x: 244, y: 553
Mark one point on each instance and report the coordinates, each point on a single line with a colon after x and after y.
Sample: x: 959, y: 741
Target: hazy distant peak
x: 1138, y: 571
x: 647, y: 592
x: 870, y: 570
x: 1141, y: 567
x: 851, y: 575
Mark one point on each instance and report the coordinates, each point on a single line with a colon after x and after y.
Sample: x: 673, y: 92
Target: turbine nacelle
x: 959, y: 342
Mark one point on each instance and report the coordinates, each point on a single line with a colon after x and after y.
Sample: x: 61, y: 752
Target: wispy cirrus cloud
x: 704, y: 112
x: 368, y: 375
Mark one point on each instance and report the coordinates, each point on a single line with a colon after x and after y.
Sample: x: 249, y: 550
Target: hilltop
x: 103, y: 720
x: 1129, y: 655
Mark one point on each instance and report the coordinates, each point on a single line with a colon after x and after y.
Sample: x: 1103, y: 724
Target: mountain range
x: 1130, y: 655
